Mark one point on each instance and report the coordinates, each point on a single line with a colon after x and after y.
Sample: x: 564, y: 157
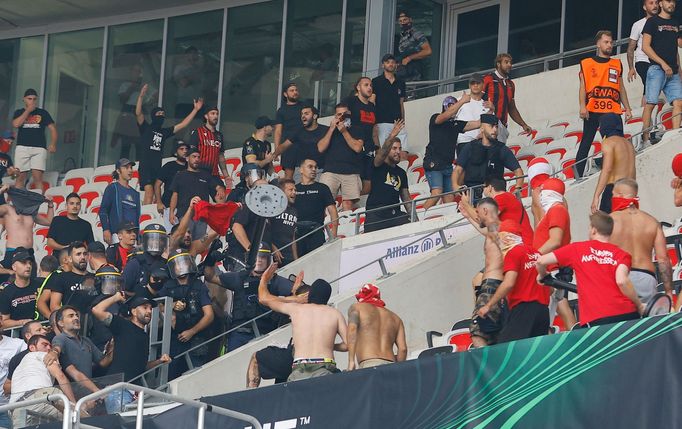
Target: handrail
x: 143, y: 391
x: 66, y: 422
x: 414, y: 86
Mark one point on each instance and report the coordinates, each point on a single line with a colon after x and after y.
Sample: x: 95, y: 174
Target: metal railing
x: 143, y: 392
x: 443, y: 84
x: 51, y: 399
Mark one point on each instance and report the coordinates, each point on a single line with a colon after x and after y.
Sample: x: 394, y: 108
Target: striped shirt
x: 210, y: 144
x: 500, y: 92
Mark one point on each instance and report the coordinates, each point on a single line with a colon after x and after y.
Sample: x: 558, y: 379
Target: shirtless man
x: 20, y: 231
x: 314, y: 325
x: 373, y: 330
x: 639, y: 233
x: 484, y: 330
x: 618, y: 161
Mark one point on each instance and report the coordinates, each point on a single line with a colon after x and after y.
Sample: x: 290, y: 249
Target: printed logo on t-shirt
x: 288, y: 219
x: 613, y: 75
x: 4, y: 163
x: 32, y: 121
x: 601, y: 257
x: 157, y: 138
x: 393, y: 181
x: 23, y: 300
x: 665, y: 27
x: 532, y: 260
x: 367, y: 117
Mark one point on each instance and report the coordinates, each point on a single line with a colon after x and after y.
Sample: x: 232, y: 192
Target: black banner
x: 616, y: 376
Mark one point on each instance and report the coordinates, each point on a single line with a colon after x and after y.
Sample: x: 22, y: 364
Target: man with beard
x: 65, y: 288
x: 389, y: 97
x: 362, y: 114
x: 283, y: 227
x: 389, y: 186
x: 257, y: 149
x: 132, y: 344
x: 18, y: 298
x: 152, y: 139
x: 287, y: 124
x: 210, y: 143
x: 166, y: 178
x: 313, y: 199
x: 304, y: 142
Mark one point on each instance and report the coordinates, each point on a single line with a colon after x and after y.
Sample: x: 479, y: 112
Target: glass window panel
x: 251, y: 78
x: 192, y: 66
x: 476, y: 43
x: 427, y: 17
x: 21, y: 66
x: 534, y: 32
x: 581, y: 26
x: 354, y: 46
x: 74, y: 66
x: 133, y: 58
x: 312, y: 49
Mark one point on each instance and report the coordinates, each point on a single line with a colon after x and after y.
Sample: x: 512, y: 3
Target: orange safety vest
x: 602, y: 84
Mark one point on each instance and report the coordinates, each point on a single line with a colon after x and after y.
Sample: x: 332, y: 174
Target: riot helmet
x: 263, y: 258
x: 109, y: 280
x: 251, y: 173
x: 181, y: 264
x: 154, y: 239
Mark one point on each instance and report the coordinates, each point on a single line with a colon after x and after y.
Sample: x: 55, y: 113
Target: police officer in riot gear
x: 485, y: 158
x: 108, y: 280
x: 192, y: 311
x: 245, y: 306
x: 250, y: 173
x: 140, y: 265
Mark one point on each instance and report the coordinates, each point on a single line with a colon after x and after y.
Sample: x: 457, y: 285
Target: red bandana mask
x: 370, y: 294
x: 620, y: 203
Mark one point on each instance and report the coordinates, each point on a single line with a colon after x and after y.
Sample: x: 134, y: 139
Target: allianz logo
x: 425, y: 245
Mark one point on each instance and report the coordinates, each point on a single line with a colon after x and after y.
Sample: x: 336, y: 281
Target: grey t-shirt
x: 79, y: 352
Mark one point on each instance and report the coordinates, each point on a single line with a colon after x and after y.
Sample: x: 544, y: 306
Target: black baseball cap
x: 388, y: 57
x: 137, y: 301
x: 475, y: 78
x: 610, y: 125
x: 30, y: 91
x: 192, y: 149
x: 180, y: 143
x: 488, y: 118
x: 263, y: 121
x: 123, y: 162
x: 129, y: 226
x: 96, y: 247
x: 21, y: 254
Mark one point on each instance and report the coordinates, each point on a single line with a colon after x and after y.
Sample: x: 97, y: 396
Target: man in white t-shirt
x: 9, y: 347
x: 638, y: 62
x: 33, y: 379
x: 472, y: 110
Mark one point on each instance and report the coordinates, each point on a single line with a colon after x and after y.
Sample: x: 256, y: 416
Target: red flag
x: 217, y: 216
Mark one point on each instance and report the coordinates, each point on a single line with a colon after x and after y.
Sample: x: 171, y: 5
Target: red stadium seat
x: 568, y: 172
x: 145, y: 217
x: 460, y: 338
x: 76, y: 182
x: 103, y: 178
x: 89, y: 197
x: 235, y: 163
x: 42, y: 232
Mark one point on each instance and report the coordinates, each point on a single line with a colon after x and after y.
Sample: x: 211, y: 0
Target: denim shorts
x: 440, y: 179
x: 657, y: 82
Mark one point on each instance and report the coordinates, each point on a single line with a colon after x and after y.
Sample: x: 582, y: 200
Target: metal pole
x: 100, y: 100
x: 140, y: 411
x: 200, y: 417
x: 221, y: 72
x: 162, y: 68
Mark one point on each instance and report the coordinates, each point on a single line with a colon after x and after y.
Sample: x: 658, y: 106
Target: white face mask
x: 549, y: 198
x: 508, y: 241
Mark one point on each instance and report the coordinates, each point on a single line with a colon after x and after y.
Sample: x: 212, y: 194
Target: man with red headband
x: 605, y: 293
x: 618, y: 161
x: 676, y: 183
x: 528, y: 316
x: 553, y: 230
x: 373, y: 330
x: 640, y: 234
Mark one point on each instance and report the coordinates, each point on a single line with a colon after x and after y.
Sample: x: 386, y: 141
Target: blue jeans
x: 656, y: 81
x: 440, y: 179
x: 5, y: 420
x: 116, y: 400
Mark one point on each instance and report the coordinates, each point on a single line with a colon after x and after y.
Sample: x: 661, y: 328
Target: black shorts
x: 367, y: 167
x: 526, y: 320
x: 642, y: 68
x: 288, y: 158
x: 148, y: 176
x: 275, y: 362
x: 605, y: 204
x: 613, y: 319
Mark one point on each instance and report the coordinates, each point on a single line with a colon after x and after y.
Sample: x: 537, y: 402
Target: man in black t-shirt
x: 389, y: 98
x: 131, y: 349
x: 660, y: 39
x: 342, y: 147
x: 18, y: 299
x: 64, y: 230
x: 257, y: 149
x: 67, y: 287
x: 191, y: 183
x: 304, y: 142
x: 362, y: 114
x: 31, y: 150
x: 312, y: 200
x: 287, y: 124
x: 166, y: 178
x: 242, y: 230
x: 389, y: 186
x: 283, y: 227
x: 440, y: 152
x: 6, y: 167
x: 152, y: 139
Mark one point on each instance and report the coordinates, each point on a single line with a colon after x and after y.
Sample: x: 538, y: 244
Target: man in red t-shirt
x: 510, y: 207
x: 605, y: 293
x: 529, y: 316
x: 552, y: 231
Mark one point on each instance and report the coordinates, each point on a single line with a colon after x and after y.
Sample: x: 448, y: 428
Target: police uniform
x: 139, y: 268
